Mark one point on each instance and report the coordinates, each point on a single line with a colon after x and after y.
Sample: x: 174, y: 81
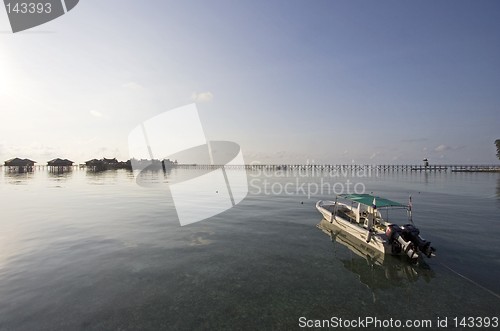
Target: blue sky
x: 290, y: 81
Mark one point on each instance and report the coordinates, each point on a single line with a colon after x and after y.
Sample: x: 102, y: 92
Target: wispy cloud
x: 442, y: 148
x: 202, y: 96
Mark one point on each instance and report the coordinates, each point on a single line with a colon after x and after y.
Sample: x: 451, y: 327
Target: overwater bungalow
x: 60, y: 164
x: 19, y: 165
x: 107, y: 164
x: 95, y: 165
x: 115, y: 164
x: 124, y: 165
x: 112, y: 161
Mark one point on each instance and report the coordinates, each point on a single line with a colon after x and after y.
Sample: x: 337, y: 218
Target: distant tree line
x: 497, y: 142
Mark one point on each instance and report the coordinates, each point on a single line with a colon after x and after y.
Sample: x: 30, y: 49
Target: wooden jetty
x: 351, y: 167
x: 479, y: 168
x: 430, y: 168
x: 112, y: 164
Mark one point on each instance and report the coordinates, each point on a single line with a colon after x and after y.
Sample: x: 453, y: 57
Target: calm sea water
x: 83, y: 250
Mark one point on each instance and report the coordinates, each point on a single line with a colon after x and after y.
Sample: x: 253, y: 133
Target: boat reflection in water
x: 375, y: 269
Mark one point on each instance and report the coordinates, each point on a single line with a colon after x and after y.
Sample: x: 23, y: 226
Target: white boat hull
x: 362, y: 220
x: 378, y: 241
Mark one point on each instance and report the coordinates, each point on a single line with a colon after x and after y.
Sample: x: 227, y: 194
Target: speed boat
x: 361, y: 216
x: 374, y: 269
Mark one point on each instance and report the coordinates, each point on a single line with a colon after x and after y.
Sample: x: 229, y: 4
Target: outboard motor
x: 411, y: 233
x: 395, y: 235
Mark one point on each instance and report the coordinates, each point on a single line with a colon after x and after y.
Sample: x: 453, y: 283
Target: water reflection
x: 375, y: 270
x: 498, y: 187
x: 18, y: 178
x: 59, y: 175
x: 153, y: 177
x: 101, y: 177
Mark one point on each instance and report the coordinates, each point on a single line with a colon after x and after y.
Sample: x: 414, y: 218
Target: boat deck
x: 349, y: 215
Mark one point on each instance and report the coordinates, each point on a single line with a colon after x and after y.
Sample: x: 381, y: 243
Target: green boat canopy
x: 367, y: 199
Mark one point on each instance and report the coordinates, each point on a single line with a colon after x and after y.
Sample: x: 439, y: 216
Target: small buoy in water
x: 302, y: 202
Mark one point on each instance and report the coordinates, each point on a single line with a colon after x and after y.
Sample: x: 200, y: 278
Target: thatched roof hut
x: 17, y: 162
x: 60, y: 163
x: 93, y: 162
x: 107, y: 164
x: 95, y: 165
x: 110, y: 161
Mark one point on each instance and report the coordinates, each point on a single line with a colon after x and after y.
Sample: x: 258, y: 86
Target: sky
x: 365, y: 82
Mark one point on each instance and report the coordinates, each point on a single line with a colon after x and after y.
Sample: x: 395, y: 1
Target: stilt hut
x: 19, y: 165
x: 107, y: 164
x: 125, y: 165
x: 95, y: 165
x: 60, y: 165
x: 111, y: 162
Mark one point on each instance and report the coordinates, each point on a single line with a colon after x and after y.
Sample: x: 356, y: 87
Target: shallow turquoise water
x: 97, y: 251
